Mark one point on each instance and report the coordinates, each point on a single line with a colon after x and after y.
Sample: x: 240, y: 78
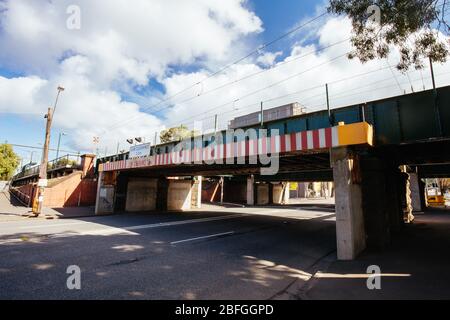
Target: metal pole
x: 436, y: 105
x: 57, y: 97
x: 328, y: 105
x: 432, y: 74
x: 156, y: 137
x: 215, y: 123
x: 57, y: 149
x: 262, y: 114
x: 363, y: 112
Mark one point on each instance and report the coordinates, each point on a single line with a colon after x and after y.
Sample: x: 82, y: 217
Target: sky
x: 133, y: 70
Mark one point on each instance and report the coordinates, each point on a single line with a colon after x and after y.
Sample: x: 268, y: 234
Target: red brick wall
x: 71, y: 192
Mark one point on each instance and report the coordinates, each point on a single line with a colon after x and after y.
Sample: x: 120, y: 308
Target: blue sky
x: 277, y: 17
x: 125, y: 59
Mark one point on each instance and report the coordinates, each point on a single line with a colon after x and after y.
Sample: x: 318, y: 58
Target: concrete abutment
x: 147, y: 194
x: 373, y: 199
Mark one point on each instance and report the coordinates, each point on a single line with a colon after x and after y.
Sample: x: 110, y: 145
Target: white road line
x: 204, y: 237
x: 128, y: 230
x: 175, y: 223
x: 144, y: 226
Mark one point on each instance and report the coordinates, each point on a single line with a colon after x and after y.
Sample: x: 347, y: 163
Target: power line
x: 300, y: 91
x: 40, y: 148
x: 246, y: 77
x: 257, y: 50
x: 271, y: 85
x: 394, y: 76
x: 341, y: 96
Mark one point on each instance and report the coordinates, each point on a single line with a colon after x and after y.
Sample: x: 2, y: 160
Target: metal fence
x: 69, y: 161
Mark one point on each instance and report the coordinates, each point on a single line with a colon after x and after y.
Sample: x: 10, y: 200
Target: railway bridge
x: 376, y: 153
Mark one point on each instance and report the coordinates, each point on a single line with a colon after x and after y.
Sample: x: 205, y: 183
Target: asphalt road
x: 233, y: 253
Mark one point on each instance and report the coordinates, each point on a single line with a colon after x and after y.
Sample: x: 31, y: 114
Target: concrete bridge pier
x: 417, y: 192
x: 267, y: 192
x: 104, y: 203
x: 251, y: 190
x: 373, y: 198
x: 350, y: 231
x: 148, y: 194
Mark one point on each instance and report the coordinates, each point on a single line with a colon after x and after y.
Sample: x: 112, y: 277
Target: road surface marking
x: 175, y: 223
x: 204, y: 237
x: 125, y: 230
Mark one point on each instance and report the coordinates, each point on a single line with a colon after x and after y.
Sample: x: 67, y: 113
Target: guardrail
x: 67, y: 161
x: 22, y: 197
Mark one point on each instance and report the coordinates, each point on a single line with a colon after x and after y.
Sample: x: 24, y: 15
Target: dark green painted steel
x: 402, y: 119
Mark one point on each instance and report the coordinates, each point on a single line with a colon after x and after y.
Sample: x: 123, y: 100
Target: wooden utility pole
x: 43, y: 168
x: 37, y: 207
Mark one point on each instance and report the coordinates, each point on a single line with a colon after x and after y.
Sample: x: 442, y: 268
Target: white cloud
x: 19, y: 92
x: 120, y: 46
x: 316, y: 67
x: 268, y: 58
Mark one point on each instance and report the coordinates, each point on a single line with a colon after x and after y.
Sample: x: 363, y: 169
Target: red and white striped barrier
x: 293, y: 142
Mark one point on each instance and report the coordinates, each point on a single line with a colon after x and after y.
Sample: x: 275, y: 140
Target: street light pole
x: 59, y: 142
x: 43, y: 168
x: 31, y: 157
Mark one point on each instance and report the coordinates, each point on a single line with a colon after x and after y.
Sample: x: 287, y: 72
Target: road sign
x: 42, y: 183
x: 140, y: 150
x: 293, y: 186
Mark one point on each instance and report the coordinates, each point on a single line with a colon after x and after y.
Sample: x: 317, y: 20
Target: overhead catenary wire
x: 334, y: 97
x: 222, y: 86
x: 271, y: 85
x: 272, y: 99
x: 221, y: 70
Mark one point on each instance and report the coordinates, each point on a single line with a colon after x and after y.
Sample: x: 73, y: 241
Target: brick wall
x: 67, y: 191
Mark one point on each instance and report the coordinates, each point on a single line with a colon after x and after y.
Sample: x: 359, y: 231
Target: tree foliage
x: 176, y: 134
x: 418, y: 29
x: 8, y: 161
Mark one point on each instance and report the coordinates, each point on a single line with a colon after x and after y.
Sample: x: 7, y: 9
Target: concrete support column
x: 393, y: 198
x: 405, y: 193
x: 179, y: 195
x: 378, y: 200
x: 350, y: 233
x: 262, y: 194
x: 416, y: 201
x: 423, y: 200
x: 286, y: 188
x: 197, y: 193
x: 104, y: 202
x: 162, y: 194
x: 141, y: 195
x: 251, y: 190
